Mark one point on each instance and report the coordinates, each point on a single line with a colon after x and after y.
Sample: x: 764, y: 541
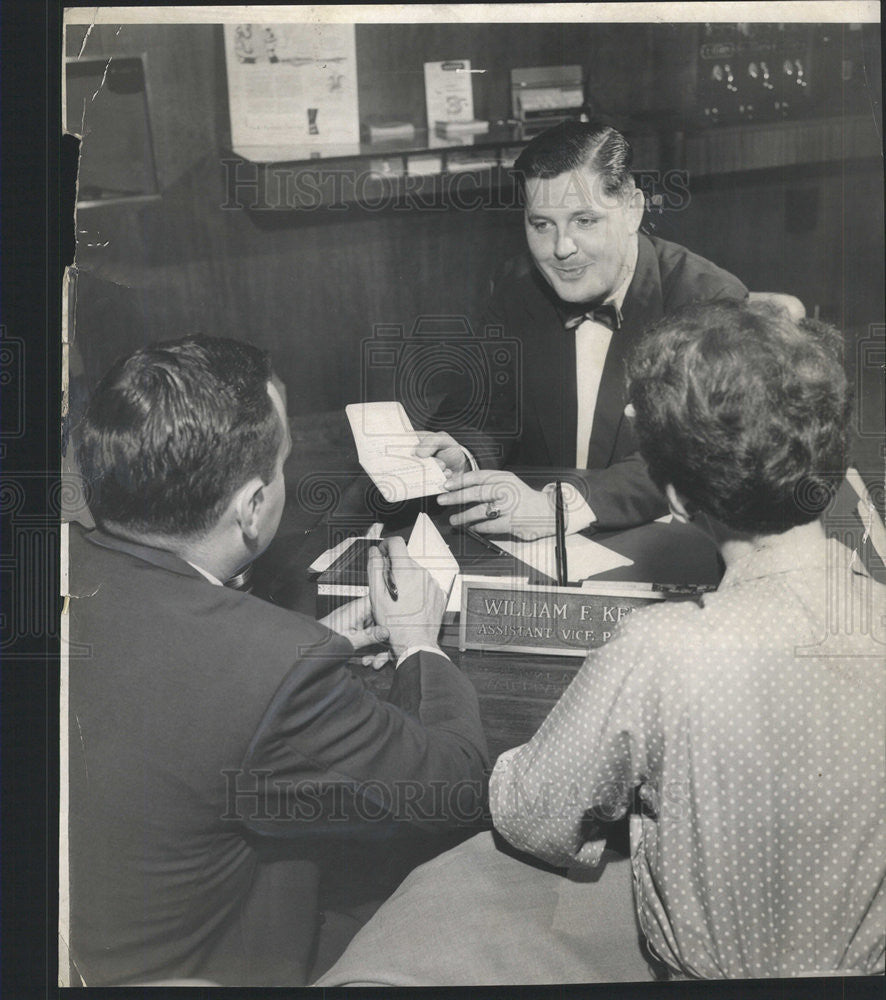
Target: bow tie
x: 608, y: 314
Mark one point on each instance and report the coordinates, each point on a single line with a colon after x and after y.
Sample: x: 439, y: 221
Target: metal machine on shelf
x: 770, y: 72
x: 543, y: 96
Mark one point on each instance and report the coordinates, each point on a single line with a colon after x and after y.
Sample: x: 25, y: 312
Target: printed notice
x: 449, y: 94
x: 291, y: 85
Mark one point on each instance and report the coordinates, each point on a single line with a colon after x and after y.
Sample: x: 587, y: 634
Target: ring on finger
x: 492, y: 512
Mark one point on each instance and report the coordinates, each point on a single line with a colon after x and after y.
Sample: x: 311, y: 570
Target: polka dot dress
x: 750, y: 735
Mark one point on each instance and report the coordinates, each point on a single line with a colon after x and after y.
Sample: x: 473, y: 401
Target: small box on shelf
x: 424, y: 165
x: 379, y: 130
x: 388, y: 166
x: 454, y: 130
x: 457, y: 163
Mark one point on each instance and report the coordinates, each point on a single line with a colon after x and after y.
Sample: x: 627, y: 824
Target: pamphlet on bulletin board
x: 291, y: 85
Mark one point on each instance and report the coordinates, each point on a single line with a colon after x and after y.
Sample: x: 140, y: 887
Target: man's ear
x: 247, y: 505
x: 680, y: 508
x: 635, y: 205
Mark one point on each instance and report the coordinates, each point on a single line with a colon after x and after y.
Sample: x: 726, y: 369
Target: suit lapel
x: 549, y: 366
x: 643, y: 303
x: 561, y: 411
x: 642, y: 306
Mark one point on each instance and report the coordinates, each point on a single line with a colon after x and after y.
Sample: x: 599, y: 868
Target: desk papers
x: 584, y: 557
x: 430, y: 551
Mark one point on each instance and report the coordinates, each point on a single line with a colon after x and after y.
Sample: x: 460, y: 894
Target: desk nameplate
x: 548, y: 620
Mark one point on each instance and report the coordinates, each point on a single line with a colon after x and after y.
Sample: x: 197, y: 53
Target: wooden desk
x: 516, y: 690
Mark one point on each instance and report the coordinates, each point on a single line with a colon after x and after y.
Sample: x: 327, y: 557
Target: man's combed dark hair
x: 744, y: 411
x: 174, y: 430
x: 574, y: 144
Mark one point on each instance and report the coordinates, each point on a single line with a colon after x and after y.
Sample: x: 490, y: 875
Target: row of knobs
x: 790, y: 67
x: 760, y: 73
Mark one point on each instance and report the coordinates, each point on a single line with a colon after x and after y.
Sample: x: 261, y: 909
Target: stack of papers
x: 584, y: 557
x: 430, y: 551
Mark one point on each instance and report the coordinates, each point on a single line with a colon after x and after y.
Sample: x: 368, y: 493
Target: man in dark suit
x: 576, y: 304
x: 206, y: 725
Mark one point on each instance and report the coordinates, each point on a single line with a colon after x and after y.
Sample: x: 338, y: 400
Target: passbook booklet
x: 386, y: 442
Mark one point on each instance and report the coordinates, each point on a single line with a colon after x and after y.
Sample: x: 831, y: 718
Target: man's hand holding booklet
x: 386, y: 443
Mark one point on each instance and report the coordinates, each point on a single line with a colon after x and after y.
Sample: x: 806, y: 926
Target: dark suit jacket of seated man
x: 204, y: 721
x: 666, y: 278
x: 582, y: 218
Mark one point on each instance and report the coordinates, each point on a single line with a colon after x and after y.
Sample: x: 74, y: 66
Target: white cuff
x: 578, y: 513
x: 472, y: 462
x: 419, y: 649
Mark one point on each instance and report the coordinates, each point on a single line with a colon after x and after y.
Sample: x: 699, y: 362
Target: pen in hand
x: 388, y: 573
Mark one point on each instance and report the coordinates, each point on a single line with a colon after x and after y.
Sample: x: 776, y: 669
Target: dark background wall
x: 310, y: 286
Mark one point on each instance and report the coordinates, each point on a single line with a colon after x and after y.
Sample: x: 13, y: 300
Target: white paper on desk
x: 429, y: 550
x: 453, y: 605
x: 584, y: 557
x: 385, y: 441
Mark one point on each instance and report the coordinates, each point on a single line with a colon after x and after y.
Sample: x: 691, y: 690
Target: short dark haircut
x: 574, y: 144
x: 744, y: 411
x: 174, y: 430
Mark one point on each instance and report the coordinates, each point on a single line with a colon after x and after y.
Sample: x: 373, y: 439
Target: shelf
x: 427, y: 172
x: 423, y: 142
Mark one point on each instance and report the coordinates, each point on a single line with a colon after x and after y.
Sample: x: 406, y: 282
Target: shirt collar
x: 799, y: 549
x: 212, y: 579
